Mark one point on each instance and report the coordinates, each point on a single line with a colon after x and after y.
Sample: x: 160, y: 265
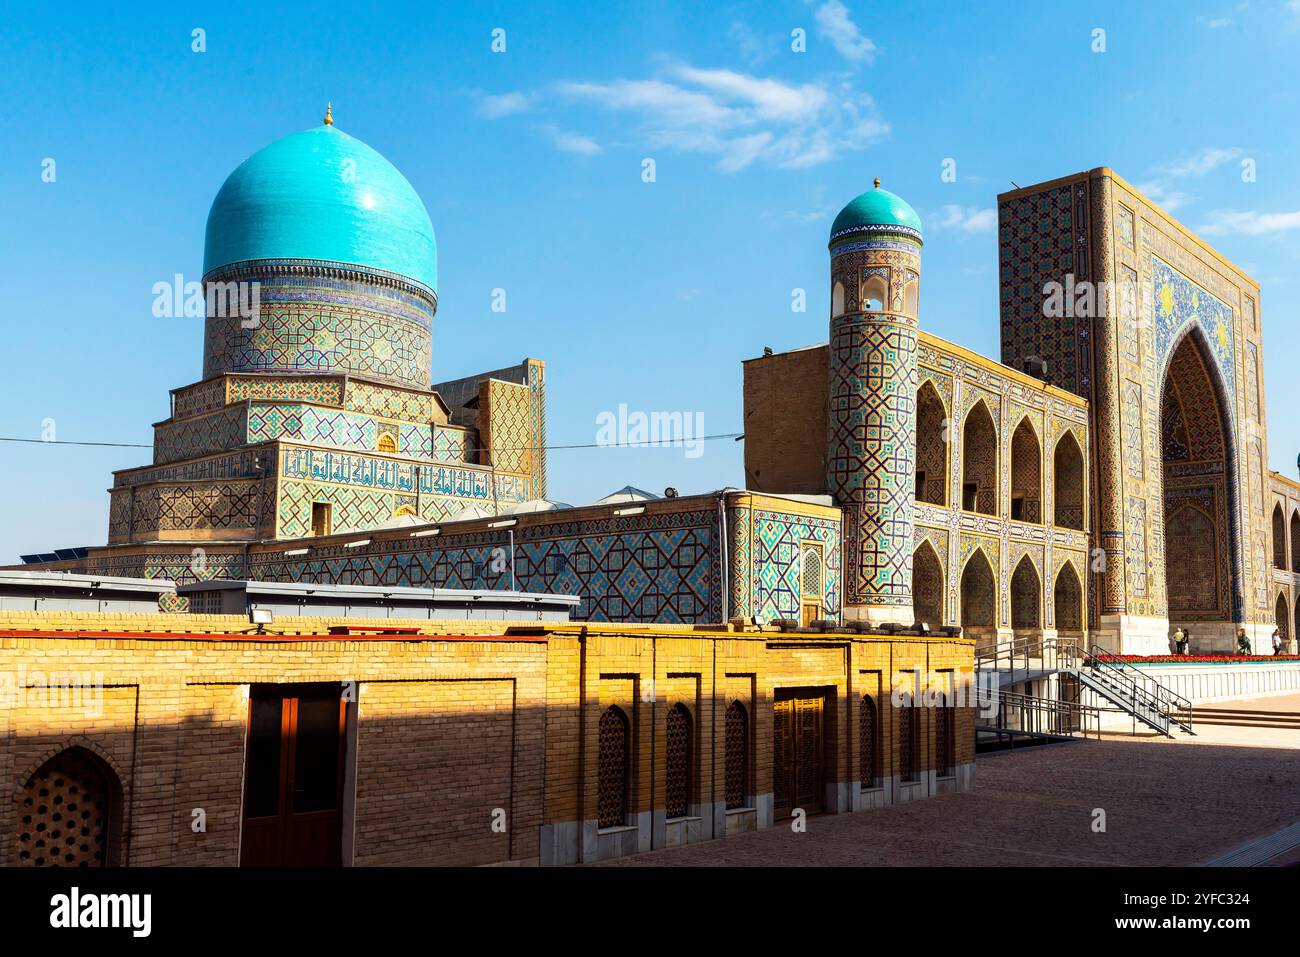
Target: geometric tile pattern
x: 779, y: 540
x: 1179, y: 302
x: 1042, y: 237
x: 871, y: 418
x: 319, y: 322
x: 871, y: 470
x: 662, y: 567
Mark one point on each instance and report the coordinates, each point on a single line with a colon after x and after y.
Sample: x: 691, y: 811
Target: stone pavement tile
x: 1166, y: 803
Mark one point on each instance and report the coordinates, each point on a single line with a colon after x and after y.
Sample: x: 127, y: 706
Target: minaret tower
x: 875, y: 249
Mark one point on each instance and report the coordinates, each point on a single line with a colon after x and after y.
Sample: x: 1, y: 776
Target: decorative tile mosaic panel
x: 322, y: 325
x: 662, y: 567
x: 203, y: 435
x: 774, y: 563
x: 871, y: 466
x: 1179, y: 302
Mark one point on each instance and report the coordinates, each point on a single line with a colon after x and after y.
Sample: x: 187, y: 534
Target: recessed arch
x: 70, y: 812
x: 1067, y: 482
x: 679, y: 762
x: 613, y: 768
x: 927, y: 584
x: 1282, y: 616
x: 1279, y: 538
x: 932, y: 443
x: 875, y: 294
x: 1199, y: 478
x: 837, y: 300
x: 1026, y: 595
x: 1067, y: 600
x: 1295, y: 541
x: 978, y: 592
x: 979, y: 456
x: 1026, y: 473
x: 736, y: 761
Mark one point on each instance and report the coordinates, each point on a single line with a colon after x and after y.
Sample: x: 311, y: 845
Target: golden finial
x: 329, y: 117
x: 877, y: 180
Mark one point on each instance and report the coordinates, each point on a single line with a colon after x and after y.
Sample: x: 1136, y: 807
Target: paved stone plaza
x: 1167, y: 803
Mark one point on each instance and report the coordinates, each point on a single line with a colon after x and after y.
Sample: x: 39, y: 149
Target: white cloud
x: 572, y: 142
x: 1164, y: 195
x: 739, y: 118
x: 965, y: 219
x: 1205, y: 161
x: 503, y: 104
x: 1164, y: 187
x: 1229, y: 222
x: 1219, y: 23
x: 835, y: 24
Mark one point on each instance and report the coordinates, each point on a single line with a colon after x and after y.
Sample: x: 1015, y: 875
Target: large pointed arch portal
x: 1200, y: 492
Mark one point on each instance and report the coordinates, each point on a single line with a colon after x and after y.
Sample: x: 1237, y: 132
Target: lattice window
x: 737, y: 756
x: 931, y: 446
x: 869, y: 742
x: 613, y: 768
x: 980, y: 462
x: 945, y: 740
x: 909, y: 742
x: 927, y: 585
x: 812, y: 573
x: 1068, y: 597
x: 1283, y: 619
x: 1067, y: 477
x: 978, y: 594
x: 677, y: 784
x: 63, y: 814
x: 1279, y: 538
x: 1025, y: 595
x: 1026, y: 475
x: 1295, y: 541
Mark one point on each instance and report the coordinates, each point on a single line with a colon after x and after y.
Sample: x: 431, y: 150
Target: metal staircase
x: 1135, y: 692
x: 1131, y: 690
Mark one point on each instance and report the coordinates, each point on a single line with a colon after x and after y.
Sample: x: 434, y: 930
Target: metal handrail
x: 1046, y: 716
x: 1164, y: 701
x: 1019, y: 651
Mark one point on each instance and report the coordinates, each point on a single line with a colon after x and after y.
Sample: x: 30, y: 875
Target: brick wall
x: 472, y: 745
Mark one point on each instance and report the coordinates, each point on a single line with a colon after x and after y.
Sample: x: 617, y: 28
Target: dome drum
x: 318, y: 318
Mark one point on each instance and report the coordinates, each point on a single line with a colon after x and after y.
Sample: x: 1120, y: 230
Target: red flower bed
x: 1193, y: 659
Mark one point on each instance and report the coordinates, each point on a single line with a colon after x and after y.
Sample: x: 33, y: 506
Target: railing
x: 1029, y: 716
x: 1033, y: 655
x: 1147, y: 699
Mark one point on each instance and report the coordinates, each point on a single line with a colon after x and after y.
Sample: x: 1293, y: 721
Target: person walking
x: 1178, y: 640
x: 1243, y: 642
x: 1277, y: 641
x: 1187, y: 640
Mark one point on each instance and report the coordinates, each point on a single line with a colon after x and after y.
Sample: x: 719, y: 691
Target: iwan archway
x: 1199, y: 476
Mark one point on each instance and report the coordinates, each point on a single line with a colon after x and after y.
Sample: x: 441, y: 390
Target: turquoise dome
x: 877, y: 210
x: 321, y: 194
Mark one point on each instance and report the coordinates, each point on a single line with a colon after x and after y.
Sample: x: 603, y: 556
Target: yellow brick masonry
x: 465, y: 724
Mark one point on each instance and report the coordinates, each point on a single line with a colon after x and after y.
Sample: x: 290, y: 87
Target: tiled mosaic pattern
x: 662, y: 567
x: 766, y: 558
x: 1043, y: 237
x: 316, y: 324
x: 872, y: 426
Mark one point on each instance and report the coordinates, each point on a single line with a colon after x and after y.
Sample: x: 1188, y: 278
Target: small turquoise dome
x: 877, y: 210
x: 321, y: 194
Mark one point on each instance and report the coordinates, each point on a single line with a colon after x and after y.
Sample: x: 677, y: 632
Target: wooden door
x: 293, y: 779
x: 797, y: 752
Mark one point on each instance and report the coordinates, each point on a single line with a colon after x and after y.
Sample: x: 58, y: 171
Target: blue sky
x: 530, y: 163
